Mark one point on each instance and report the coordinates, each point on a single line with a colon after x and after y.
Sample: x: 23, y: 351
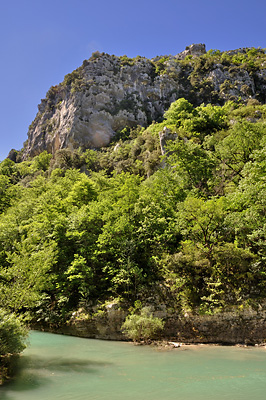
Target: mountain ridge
x: 108, y: 93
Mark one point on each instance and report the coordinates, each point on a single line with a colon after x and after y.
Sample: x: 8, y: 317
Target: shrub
x: 12, y: 342
x: 143, y: 327
x: 12, y: 334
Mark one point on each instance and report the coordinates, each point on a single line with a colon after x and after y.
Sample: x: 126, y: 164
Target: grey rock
x: 192, y: 50
x: 246, y: 327
x: 165, y: 136
x: 108, y: 93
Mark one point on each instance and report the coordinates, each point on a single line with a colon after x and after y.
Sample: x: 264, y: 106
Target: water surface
x: 57, y: 367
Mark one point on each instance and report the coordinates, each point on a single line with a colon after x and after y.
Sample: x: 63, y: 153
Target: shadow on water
x: 33, y: 372
x: 62, y: 364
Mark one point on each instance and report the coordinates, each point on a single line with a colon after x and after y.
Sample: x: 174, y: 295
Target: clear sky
x: 43, y: 40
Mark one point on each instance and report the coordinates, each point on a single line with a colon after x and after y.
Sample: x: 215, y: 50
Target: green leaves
x: 199, y: 121
x: 82, y: 192
x: 27, y: 274
x: 12, y: 334
x: 193, y: 163
x: 236, y: 148
x: 142, y: 327
x: 194, y: 225
x: 179, y: 111
x: 203, y: 221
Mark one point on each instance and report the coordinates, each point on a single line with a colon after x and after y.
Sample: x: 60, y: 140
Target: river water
x: 56, y: 367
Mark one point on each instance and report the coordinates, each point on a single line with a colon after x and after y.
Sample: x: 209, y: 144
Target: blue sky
x: 43, y: 40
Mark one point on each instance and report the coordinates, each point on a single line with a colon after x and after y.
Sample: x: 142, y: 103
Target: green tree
x: 236, y: 148
x: 12, y: 334
x: 194, y: 164
x: 179, y: 111
x: 26, y: 274
x: 203, y: 221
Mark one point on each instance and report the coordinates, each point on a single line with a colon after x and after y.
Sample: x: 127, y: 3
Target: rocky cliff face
x: 108, y: 93
x: 245, y: 326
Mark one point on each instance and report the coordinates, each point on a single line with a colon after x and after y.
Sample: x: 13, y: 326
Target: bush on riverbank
x: 12, y: 342
x: 143, y: 327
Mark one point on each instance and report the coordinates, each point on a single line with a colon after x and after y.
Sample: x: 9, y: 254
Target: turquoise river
x: 57, y: 367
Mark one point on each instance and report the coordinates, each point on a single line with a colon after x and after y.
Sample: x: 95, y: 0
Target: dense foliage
x: 124, y: 222
x: 12, y: 342
x: 12, y: 334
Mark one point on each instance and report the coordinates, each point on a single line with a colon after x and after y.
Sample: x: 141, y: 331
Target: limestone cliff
x: 108, y: 93
x: 235, y: 326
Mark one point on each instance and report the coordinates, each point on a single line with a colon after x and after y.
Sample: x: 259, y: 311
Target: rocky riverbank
x: 237, y: 326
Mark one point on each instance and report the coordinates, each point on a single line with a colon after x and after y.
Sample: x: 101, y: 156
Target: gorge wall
x: 108, y: 93
x: 246, y: 326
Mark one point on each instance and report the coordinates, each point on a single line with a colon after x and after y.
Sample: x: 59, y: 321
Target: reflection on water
x: 60, y: 367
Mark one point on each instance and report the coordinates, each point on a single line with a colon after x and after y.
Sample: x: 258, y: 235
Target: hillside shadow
x: 33, y: 372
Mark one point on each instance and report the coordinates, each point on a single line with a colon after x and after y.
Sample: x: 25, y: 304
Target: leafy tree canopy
x: 126, y: 222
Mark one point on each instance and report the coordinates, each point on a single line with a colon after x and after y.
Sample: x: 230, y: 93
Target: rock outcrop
x: 237, y: 326
x: 108, y: 93
x: 165, y: 136
x: 194, y: 50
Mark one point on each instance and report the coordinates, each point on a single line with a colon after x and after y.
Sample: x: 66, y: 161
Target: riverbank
x: 164, y: 345
x: 232, y: 327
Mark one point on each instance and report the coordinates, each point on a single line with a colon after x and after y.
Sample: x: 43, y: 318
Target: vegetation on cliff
x: 123, y: 222
x: 108, y: 93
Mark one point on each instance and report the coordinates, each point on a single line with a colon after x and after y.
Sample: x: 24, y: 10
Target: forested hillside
x: 124, y: 222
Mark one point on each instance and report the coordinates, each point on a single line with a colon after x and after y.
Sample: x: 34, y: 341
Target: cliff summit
x: 108, y: 93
